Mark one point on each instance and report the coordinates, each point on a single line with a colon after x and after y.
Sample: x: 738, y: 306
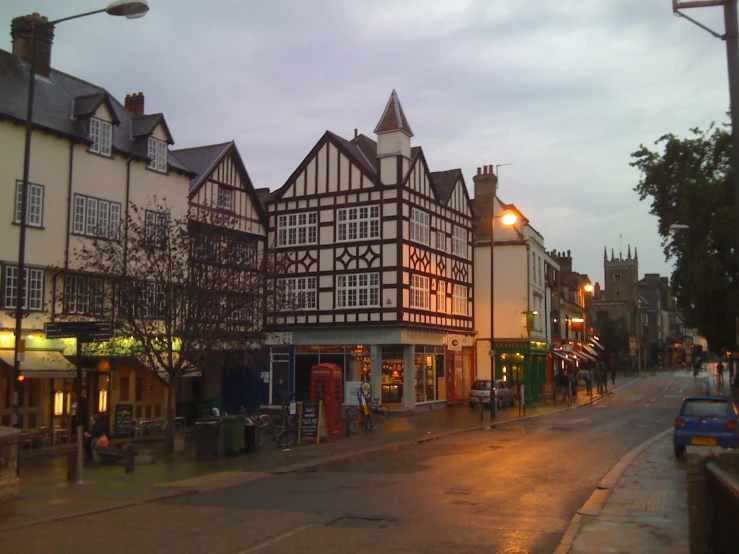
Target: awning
x: 42, y: 364
x: 563, y: 356
x: 584, y: 356
x: 591, y: 350
x: 598, y: 344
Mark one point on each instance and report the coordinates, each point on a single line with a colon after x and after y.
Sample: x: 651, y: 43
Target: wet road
x: 509, y: 489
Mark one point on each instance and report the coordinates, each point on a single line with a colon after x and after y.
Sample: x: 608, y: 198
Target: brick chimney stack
x: 134, y: 103
x: 21, y: 30
x: 486, y: 186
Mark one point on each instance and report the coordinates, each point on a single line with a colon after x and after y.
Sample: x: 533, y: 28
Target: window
x: 459, y: 300
x: 358, y: 223
x: 616, y: 277
x: 419, y: 226
x: 34, y: 204
x: 34, y: 289
x: 101, y: 134
x: 541, y: 277
x: 296, y: 229
x: 156, y: 228
x: 158, y: 155
x: 420, y: 292
x: 143, y: 299
x: 83, y: 295
x: 242, y: 254
x: 533, y: 267
x: 296, y: 293
x: 441, y: 297
x: 459, y: 242
x: 645, y: 320
x: 225, y: 198
x: 96, y: 218
x: 358, y: 291
x: 441, y: 241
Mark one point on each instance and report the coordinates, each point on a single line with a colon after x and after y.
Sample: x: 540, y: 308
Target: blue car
x: 707, y: 421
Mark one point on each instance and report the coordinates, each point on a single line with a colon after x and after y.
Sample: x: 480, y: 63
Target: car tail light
x: 679, y: 422
x: 730, y: 425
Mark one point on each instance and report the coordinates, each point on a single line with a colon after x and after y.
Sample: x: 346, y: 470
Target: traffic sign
x: 82, y: 330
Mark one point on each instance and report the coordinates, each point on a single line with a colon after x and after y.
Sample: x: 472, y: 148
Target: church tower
x: 622, y: 278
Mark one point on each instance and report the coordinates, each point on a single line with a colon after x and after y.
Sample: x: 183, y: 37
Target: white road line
x: 278, y: 538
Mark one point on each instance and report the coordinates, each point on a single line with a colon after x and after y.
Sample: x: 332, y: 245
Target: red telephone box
x: 327, y: 384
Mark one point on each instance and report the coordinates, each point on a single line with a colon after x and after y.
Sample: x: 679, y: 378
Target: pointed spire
x: 613, y: 256
x: 636, y: 255
x: 605, y: 254
x: 393, y: 118
x: 629, y: 252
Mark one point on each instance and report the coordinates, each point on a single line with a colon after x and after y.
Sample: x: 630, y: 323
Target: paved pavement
x: 641, y: 505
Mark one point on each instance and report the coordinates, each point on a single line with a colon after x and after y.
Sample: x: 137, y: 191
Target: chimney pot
x: 21, y: 29
x: 479, y: 171
x: 490, y: 169
x: 356, y: 132
x: 134, y: 103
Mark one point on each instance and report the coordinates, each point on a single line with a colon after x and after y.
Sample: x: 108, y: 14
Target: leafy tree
x: 614, y: 337
x: 181, y: 291
x: 690, y: 182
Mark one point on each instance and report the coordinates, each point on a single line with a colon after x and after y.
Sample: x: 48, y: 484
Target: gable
x: 459, y: 200
x: 419, y: 178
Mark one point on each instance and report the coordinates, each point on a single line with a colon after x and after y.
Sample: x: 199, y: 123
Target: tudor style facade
x: 380, y: 278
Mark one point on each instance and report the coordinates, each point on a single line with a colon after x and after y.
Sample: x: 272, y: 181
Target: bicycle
x: 286, y: 433
x: 377, y: 408
x: 364, y: 420
x: 264, y: 423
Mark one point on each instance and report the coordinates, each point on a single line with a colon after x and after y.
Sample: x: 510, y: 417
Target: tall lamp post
x: 130, y: 9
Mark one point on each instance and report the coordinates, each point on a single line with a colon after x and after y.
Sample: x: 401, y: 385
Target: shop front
x: 522, y: 362
x: 406, y: 367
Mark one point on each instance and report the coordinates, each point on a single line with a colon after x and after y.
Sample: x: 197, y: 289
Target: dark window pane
x: 124, y: 392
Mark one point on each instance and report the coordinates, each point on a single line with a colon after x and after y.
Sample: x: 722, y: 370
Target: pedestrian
x: 720, y: 372
x: 614, y: 367
x: 731, y: 371
x: 98, y: 430
x: 589, y: 381
x: 600, y: 376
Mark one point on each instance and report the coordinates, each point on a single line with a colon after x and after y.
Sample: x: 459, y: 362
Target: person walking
x: 720, y: 373
x: 589, y: 382
x: 614, y: 367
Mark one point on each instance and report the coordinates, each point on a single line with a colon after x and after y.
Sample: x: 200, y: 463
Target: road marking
x: 278, y: 538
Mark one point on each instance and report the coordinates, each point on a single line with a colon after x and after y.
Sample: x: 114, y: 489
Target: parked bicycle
x: 264, y: 423
x: 377, y: 408
x: 363, y: 420
x: 285, y: 434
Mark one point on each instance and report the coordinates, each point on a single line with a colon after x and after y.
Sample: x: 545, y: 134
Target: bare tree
x: 183, y: 289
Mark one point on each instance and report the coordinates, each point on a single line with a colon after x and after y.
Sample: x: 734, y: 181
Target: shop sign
x: 329, y: 337
x: 511, y: 345
x: 415, y: 336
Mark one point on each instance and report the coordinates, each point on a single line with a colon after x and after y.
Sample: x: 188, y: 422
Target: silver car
x: 481, y: 393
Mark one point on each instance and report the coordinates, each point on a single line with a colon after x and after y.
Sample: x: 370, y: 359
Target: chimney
x: 21, y: 29
x: 486, y: 186
x: 134, y: 103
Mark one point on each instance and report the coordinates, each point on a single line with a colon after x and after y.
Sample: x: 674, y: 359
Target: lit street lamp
x: 130, y: 9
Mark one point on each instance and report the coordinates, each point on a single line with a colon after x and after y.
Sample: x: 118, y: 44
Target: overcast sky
x: 564, y: 90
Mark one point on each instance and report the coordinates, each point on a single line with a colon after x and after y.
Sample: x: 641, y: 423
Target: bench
x: 110, y: 454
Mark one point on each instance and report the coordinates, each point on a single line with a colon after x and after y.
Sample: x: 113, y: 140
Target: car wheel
x: 679, y: 451
x: 499, y: 401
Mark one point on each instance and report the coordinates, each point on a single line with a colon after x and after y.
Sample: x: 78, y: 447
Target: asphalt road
x: 509, y: 489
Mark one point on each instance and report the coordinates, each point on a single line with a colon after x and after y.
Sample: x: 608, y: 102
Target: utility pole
x: 731, y: 38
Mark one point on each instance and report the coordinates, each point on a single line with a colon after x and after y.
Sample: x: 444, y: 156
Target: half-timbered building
x: 380, y: 279
x: 229, y: 223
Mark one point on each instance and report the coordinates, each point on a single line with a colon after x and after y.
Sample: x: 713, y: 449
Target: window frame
x: 155, y: 224
x: 420, y: 224
x: 460, y: 300
x: 441, y: 297
x: 420, y: 292
x: 357, y: 290
x: 87, y: 213
x: 156, y: 150
x: 35, y: 191
x: 223, y: 193
x: 34, y: 297
x: 292, y: 232
x: 353, y: 225
x: 101, y: 133
x: 300, y: 291
x: 460, y: 240
x: 86, y: 298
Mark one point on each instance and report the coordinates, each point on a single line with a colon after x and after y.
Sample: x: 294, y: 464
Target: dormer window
x: 225, y: 198
x: 101, y: 134
x: 158, y: 155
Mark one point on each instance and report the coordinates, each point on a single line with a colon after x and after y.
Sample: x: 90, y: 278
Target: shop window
x: 124, y: 389
x: 148, y: 411
x: 31, y: 420
x: 139, y: 392
x: 157, y: 410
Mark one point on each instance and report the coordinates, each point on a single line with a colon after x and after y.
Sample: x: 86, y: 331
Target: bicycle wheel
x: 287, y: 438
x: 354, y: 426
x: 384, y: 412
x: 266, y: 425
x: 373, y: 422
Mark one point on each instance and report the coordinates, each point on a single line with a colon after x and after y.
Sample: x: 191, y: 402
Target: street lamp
x: 508, y: 218
x: 130, y: 9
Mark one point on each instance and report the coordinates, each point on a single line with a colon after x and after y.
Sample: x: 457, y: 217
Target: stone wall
x: 9, y: 482
x: 697, y: 485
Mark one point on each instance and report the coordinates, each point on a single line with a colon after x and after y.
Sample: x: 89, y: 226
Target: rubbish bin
x: 208, y: 434
x: 250, y: 436
x: 233, y: 434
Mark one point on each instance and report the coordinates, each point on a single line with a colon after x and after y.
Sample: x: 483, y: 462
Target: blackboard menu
x: 123, y: 415
x: 310, y: 412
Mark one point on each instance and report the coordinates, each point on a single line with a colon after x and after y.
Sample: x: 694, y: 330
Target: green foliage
x: 613, y: 336
x: 690, y: 183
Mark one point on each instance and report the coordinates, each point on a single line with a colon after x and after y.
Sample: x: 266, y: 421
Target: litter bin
x: 208, y: 435
x: 251, y: 434
x: 233, y: 434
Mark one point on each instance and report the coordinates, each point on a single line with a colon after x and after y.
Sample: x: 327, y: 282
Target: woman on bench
x: 98, y: 436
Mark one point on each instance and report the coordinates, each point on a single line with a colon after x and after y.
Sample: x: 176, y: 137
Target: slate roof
x: 361, y: 156
x: 393, y: 118
x: 444, y: 182
x: 201, y: 159
x: 58, y: 97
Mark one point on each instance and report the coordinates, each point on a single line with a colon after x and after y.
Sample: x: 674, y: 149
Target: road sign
x: 82, y: 330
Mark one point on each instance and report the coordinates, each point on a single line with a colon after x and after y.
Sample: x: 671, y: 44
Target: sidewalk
x: 46, y: 495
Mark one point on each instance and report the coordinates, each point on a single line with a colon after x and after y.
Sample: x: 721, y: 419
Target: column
x: 376, y: 370
x: 409, y: 376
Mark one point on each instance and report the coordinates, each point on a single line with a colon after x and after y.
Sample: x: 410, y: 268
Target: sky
x: 563, y: 90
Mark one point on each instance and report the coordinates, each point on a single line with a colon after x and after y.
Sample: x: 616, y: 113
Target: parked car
x: 481, y: 393
x: 708, y: 421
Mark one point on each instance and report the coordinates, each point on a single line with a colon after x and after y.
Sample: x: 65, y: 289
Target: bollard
x: 72, y: 465
x: 128, y: 458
